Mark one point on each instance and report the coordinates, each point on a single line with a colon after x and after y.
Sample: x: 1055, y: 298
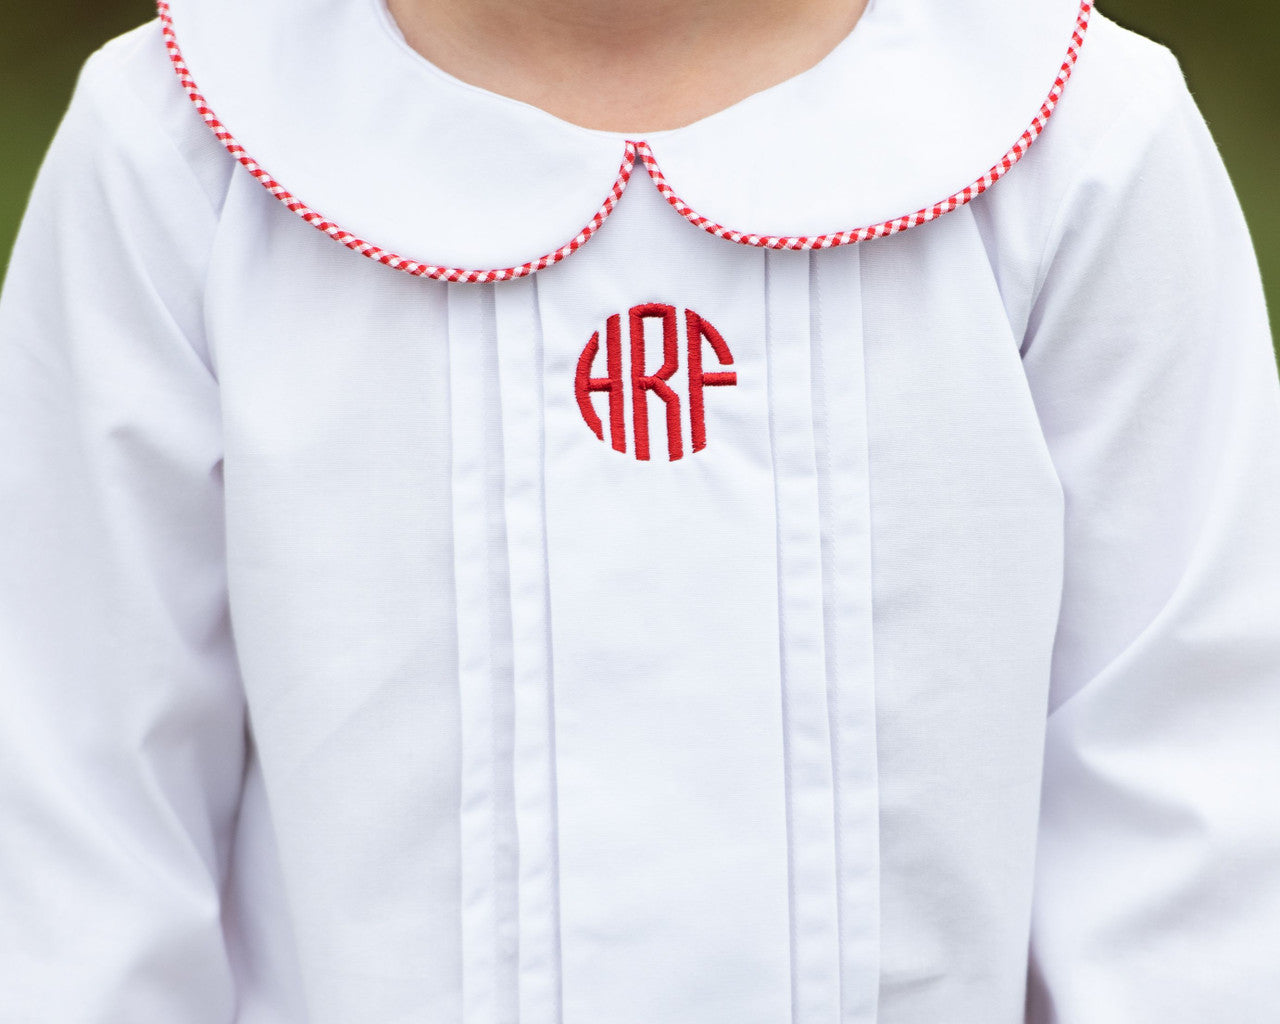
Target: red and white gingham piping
x: 888, y: 227
x: 339, y: 234
x: 631, y: 151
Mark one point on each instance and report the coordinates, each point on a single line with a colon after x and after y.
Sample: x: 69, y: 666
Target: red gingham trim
x: 631, y: 150
x: 888, y: 227
x: 390, y: 259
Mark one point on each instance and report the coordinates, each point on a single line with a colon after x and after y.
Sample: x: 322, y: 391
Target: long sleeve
x: 122, y: 734
x: 1151, y: 364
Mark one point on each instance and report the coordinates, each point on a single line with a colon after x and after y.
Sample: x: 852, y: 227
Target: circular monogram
x: 663, y: 384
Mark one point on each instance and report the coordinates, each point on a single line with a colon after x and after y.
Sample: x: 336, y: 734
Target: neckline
x: 330, y: 112
x: 420, y: 65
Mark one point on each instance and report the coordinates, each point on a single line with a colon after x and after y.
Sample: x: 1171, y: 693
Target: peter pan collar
x: 921, y: 108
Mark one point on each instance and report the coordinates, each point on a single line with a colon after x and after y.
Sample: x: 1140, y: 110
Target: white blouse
x: 835, y: 580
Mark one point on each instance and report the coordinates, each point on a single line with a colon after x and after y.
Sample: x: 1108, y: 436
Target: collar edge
x: 634, y: 148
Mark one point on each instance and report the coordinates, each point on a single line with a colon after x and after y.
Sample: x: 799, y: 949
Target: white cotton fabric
x: 349, y: 675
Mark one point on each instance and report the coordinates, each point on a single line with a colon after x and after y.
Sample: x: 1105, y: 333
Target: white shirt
x: 359, y: 666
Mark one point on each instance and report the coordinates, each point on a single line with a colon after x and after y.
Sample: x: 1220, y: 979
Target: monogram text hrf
x: 640, y: 382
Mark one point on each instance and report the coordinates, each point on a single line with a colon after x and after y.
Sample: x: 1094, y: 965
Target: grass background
x: 1230, y: 51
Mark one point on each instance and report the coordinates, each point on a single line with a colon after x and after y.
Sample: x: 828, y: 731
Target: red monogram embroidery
x: 643, y: 382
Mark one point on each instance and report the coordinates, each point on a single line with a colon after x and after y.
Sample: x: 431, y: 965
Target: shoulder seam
x: 103, y: 69
x: 1144, y: 103
x: 97, y: 64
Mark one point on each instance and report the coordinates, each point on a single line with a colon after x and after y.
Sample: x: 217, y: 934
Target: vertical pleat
x: 807, y: 727
x: 844, y: 496
x: 520, y: 373
x: 485, y: 666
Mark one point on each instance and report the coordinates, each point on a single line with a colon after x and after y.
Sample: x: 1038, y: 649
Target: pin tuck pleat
x: 844, y: 491
x: 534, y: 758
x: 807, y: 736
x: 821, y: 472
x: 486, y: 664
x: 510, y: 927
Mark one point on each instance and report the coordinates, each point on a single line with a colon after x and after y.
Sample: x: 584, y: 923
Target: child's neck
x: 626, y: 65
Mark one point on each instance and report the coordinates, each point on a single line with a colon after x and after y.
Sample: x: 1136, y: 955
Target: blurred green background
x: 1230, y: 51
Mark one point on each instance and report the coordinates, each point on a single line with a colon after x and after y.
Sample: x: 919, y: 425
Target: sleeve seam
x: 148, y: 120
x: 1136, y: 102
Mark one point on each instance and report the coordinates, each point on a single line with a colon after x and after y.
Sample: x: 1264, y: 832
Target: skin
x: 629, y: 66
